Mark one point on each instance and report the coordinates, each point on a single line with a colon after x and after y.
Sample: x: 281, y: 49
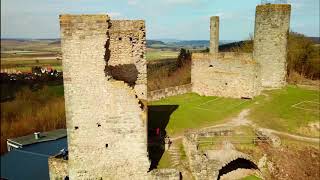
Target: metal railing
x: 233, y: 139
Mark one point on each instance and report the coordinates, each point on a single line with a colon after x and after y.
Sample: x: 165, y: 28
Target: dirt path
x: 293, y: 136
x: 241, y: 120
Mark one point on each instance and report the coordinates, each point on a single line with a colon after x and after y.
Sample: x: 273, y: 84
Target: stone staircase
x: 176, y: 161
x: 174, y: 153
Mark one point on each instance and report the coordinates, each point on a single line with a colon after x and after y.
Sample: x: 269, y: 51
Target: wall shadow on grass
x: 158, y: 119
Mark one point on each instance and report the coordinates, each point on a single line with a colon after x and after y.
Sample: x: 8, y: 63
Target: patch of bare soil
x: 312, y: 129
x: 293, y: 163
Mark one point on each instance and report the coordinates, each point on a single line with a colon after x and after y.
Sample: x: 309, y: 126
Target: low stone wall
x: 206, y: 165
x: 58, y: 168
x: 167, y: 92
x: 267, y: 136
x: 199, y: 164
x: 165, y: 174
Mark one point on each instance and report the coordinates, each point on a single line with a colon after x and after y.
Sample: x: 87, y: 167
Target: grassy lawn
x: 275, y: 109
x: 194, y: 111
x: 165, y: 161
x: 156, y: 54
x: 280, y: 110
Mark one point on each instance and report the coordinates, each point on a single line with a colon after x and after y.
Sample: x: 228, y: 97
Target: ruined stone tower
x: 226, y: 74
x: 104, y: 82
x: 270, y: 42
x: 214, y: 34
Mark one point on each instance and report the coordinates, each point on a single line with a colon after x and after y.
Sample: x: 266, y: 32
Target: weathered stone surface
x: 225, y: 74
x: 244, y: 75
x: 270, y: 42
x: 207, y: 165
x: 106, y: 127
x: 58, y: 168
x: 127, y: 47
x: 165, y: 174
x: 265, y: 135
x: 214, y: 34
x: 170, y: 91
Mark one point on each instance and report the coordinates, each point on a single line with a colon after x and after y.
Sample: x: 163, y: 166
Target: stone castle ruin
x: 103, y: 114
x: 105, y: 76
x: 270, y: 43
x: 244, y: 75
x: 105, y: 91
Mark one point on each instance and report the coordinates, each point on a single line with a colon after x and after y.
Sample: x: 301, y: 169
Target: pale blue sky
x: 178, y: 19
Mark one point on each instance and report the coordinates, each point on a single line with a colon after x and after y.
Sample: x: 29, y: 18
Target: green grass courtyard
x: 289, y: 109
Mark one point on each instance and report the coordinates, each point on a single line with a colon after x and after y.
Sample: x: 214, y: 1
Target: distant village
x: 37, y: 73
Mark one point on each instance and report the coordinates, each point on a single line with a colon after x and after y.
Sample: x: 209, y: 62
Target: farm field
x: 29, y: 62
x: 24, y: 60
x: 43, y: 45
x: 26, y: 64
x: 22, y: 55
x: 291, y: 109
x: 154, y: 54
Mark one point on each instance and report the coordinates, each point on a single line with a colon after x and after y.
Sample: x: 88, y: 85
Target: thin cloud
x: 180, y: 1
x: 132, y: 2
x: 114, y: 14
x: 224, y: 15
x: 297, y: 4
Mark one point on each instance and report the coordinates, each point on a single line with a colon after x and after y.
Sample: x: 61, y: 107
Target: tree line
x: 303, y: 58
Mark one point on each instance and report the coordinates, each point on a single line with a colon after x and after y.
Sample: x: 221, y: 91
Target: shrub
x: 30, y: 112
x: 168, y: 75
x: 303, y: 56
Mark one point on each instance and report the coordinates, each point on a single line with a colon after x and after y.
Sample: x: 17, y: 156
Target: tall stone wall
x: 127, y: 47
x: 106, y: 123
x: 270, y: 42
x: 225, y: 74
x: 214, y: 34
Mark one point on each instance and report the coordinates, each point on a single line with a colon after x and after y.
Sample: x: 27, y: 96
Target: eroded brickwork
x: 225, y: 74
x: 270, y: 42
x: 127, y: 53
x: 170, y: 91
x: 207, y: 164
x: 58, y: 168
x: 245, y: 75
x: 106, y: 124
